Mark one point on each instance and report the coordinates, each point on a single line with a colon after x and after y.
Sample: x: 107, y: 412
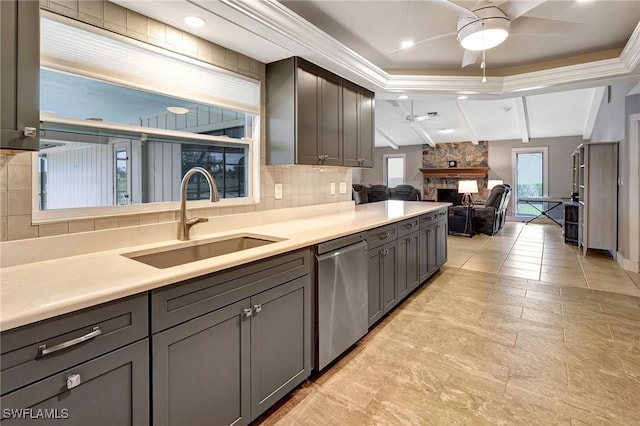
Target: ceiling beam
x: 523, y: 118
x: 594, y: 108
x: 386, y: 138
x: 467, y: 121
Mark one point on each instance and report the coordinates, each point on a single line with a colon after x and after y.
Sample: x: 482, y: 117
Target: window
x: 122, y: 122
x: 530, y: 178
x: 394, y: 169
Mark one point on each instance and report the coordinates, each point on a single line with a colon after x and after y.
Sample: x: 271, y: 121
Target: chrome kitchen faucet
x: 186, y: 224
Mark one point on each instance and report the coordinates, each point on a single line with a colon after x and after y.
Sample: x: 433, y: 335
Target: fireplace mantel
x: 455, y: 172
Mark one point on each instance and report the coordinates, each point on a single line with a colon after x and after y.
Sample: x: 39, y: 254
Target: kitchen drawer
x: 441, y: 215
x: 183, y: 301
x: 427, y: 219
x: 112, y: 389
x: 408, y: 226
x: 31, y: 352
x: 382, y: 235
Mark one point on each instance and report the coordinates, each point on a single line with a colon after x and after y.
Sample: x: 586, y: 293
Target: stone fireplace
x: 466, y: 155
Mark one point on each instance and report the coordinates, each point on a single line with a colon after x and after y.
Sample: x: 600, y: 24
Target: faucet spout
x: 186, y: 223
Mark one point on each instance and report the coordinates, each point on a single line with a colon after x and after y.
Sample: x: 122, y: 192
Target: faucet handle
x: 194, y: 220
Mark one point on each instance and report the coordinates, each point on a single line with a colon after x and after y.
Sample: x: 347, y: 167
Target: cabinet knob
x: 247, y: 312
x: 73, y: 381
x: 257, y: 308
x: 30, y: 132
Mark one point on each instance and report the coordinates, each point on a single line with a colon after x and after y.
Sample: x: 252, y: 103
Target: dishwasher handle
x: 362, y: 245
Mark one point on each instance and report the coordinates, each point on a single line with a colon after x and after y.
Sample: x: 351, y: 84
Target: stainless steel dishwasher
x: 342, y: 295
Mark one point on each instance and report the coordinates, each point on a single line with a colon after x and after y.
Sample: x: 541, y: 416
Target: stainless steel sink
x: 198, y: 250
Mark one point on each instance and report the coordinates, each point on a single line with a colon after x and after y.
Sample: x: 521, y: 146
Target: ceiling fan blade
x: 423, y: 41
x: 539, y: 26
x: 516, y: 8
x: 470, y: 57
x: 463, y: 11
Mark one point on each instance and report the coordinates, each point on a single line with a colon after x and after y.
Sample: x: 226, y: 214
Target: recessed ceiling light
x: 406, y: 44
x: 462, y: 97
x: 403, y: 97
x: 194, y: 21
x: 445, y: 130
x: 177, y: 110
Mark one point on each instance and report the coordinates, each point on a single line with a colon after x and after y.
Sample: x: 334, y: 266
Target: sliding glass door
x: 530, y: 176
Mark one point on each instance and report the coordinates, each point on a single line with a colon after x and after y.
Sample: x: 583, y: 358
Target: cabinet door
x: 427, y: 251
x: 408, y: 266
x: 390, y: 275
x: 366, y: 119
x: 201, y: 370
x: 441, y: 242
x: 375, y: 285
x: 19, y: 74
x: 330, y: 127
x: 280, y: 342
x: 350, y: 125
x: 112, y: 389
x: 307, y: 105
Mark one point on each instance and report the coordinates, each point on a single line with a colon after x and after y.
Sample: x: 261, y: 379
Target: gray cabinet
x: 427, y: 241
x: 358, y: 130
x: 382, y: 270
x: 19, y: 75
x: 87, y: 367
x: 316, y: 117
x: 442, y: 230
x: 245, y: 344
x: 408, y: 264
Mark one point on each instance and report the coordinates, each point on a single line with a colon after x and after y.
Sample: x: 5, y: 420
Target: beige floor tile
x: 569, y: 280
x: 574, y: 269
x: 522, y: 265
x: 520, y: 273
x: 524, y: 258
x: 615, y: 286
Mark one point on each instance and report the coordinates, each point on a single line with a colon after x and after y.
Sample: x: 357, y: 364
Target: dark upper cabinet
x: 316, y: 117
x: 358, y: 122
x: 20, y: 75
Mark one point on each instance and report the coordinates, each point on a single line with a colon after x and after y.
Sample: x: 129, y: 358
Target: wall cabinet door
x: 201, y: 369
x: 112, y: 389
x: 280, y: 342
x: 330, y: 128
x: 358, y: 121
x: 308, y: 145
x: 408, y: 265
x: 20, y: 75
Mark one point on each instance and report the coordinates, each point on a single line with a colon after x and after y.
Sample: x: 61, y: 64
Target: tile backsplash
x: 301, y: 186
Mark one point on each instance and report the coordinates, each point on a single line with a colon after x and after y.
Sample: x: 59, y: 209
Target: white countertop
x: 38, y: 290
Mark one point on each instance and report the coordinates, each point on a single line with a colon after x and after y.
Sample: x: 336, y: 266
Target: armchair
x: 488, y: 218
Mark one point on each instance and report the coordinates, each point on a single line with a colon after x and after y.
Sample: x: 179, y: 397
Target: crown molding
x: 273, y: 21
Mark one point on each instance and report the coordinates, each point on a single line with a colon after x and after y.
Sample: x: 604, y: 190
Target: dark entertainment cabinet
x: 571, y: 225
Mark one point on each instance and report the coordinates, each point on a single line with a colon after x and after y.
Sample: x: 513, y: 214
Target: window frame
x: 385, y: 176
x: 252, y: 144
x: 545, y: 173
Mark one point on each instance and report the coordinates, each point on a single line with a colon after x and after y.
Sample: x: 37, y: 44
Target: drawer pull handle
x: 410, y: 225
x: 247, y: 312
x: 73, y: 381
x: 43, y: 350
x: 257, y: 308
x: 383, y: 235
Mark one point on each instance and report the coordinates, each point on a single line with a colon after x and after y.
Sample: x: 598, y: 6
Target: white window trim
x: 253, y: 146
x: 545, y: 173
x: 384, y: 166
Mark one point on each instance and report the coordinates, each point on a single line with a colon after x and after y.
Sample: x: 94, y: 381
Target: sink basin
x: 192, y: 251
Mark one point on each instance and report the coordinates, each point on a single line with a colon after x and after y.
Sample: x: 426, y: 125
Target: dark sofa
x: 369, y: 194
x: 489, y: 217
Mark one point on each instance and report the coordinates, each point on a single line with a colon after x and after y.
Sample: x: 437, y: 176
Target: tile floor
x: 515, y: 329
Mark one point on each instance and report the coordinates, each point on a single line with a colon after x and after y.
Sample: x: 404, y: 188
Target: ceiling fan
x: 411, y: 117
x: 489, y: 23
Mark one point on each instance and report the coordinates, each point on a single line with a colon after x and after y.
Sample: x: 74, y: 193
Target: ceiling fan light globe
x: 482, y: 39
